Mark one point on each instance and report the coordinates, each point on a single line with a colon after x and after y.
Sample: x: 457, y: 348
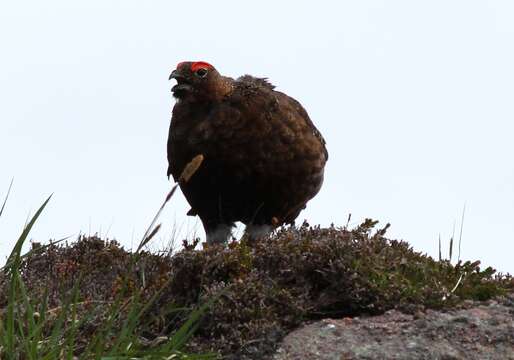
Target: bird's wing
x: 256, y: 97
x: 303, y: 113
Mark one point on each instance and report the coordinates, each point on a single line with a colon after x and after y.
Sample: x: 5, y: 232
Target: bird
x: 263, y: 157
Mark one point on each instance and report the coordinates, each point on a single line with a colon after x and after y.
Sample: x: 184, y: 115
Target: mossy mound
x: 263, y: 290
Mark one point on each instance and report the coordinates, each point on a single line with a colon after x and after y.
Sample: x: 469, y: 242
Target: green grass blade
x: 57, y: 330
x: 13, y: 261
x: 6, y: 197
x: 30, y: 342
x: 71, y: 336
x: 129, y: 325
x: 98, y: 342
x: 184, y: 333
x: 9, y: 330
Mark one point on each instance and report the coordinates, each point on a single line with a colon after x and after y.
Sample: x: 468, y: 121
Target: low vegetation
x: 82, y: 296
x: 92, y: 299
x: 54, y: 305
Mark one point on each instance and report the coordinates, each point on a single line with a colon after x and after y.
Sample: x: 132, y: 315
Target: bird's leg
x: 218, y: 233
x: 257, y: 231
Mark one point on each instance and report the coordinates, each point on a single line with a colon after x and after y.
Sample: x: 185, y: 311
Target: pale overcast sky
x: 414, y: 98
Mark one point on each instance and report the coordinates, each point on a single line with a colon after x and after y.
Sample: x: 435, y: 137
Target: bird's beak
x: 183, y: 86
x: 175, y: 74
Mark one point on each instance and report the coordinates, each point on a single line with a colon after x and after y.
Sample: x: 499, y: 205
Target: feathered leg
x: 217, y: 233
x: 257, y: 231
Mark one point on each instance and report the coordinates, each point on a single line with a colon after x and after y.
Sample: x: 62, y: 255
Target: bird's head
x: 198, y: 80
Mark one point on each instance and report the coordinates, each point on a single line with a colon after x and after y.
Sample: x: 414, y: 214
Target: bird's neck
x: 221, y: 88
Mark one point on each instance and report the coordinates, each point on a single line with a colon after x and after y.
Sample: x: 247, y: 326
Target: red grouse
x: 263, y: 156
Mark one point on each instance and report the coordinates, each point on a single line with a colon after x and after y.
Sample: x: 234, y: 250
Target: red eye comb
x: 201, y: 64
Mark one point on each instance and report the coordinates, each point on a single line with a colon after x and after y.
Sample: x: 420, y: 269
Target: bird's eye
x: 201, y: 72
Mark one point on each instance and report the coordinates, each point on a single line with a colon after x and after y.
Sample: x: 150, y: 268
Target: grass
x: 33, y: 327
x: 94, y: 300
x: 262, y: 290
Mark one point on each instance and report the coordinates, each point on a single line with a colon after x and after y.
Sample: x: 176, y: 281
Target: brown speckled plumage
x: 264, y: 158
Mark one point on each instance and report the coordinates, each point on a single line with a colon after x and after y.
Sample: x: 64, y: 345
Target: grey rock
x: 475, y: 331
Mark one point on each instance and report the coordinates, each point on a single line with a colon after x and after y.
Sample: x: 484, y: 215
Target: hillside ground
x: 255, y: 293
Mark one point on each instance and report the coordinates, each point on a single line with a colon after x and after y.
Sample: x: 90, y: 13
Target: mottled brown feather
x: 263, y: 156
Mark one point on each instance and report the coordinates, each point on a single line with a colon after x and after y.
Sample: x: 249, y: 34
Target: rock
x: 480, y: 331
